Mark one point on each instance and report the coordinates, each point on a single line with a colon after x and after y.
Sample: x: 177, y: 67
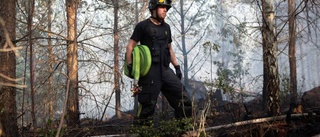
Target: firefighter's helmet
x: 154, y: 3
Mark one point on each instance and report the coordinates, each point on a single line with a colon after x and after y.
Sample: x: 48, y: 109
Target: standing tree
x: 271, y: 87
x: 72, y: 65
x: 32, y: 63
x: 116, y: 57
x: 292, y: 51
x: 8, y: 110
x: 183, y: 39
x: 187, y: 31
x: 51, y: 58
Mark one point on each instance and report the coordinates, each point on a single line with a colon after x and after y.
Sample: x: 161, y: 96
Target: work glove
x: 129, y: 66
x: 178, y: 71
x: 135, y: 90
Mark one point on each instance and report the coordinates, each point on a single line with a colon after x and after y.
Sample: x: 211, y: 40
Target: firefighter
x: 156, y: 34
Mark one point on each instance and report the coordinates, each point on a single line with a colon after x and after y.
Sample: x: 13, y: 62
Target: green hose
x: 141, y: 62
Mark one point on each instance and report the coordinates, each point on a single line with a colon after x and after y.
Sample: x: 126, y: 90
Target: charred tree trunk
x: 8, y: 110
x: 271, y: 87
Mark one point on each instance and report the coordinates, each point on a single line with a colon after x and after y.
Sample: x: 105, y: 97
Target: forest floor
x: 231, y: 123
x: 235, y: 122
x: 228, y: 120
x: 300, y: 126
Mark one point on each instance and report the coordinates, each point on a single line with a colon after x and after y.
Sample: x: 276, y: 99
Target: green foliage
x: 230, y: 78
x: 172, y: 127
x: 284, y: 89
x: 50, y: 130
x: 224, y: 80
x: 284, y: 83
x: 208, y: 46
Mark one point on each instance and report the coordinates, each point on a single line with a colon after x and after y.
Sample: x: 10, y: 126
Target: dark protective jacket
x: 160, y: 77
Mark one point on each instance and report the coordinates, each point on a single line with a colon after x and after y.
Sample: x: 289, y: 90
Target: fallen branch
x: 12, y: 85
x: 10, y: 49
x: 11, y: 79
x: 254, y: 121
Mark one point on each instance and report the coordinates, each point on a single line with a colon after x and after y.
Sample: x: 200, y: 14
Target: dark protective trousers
x: 163, y: 79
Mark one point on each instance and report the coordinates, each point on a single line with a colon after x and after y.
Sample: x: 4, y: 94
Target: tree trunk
x: 270, y: 63
x: 8, y: 110
x: 316, y: 55
x: 116, y: 58
x: 72, y: 65
x: 51, y: 60
x: 292, y: 51
x: 32, y: 64
x: 184, y: 49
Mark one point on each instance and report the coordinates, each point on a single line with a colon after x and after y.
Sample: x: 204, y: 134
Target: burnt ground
x: 227, y: 117
x: 300, y: 124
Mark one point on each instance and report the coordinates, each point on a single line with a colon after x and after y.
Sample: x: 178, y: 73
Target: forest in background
x: 64, y: 58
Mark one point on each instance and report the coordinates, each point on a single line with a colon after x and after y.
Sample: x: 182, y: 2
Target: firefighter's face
x: 162, y: 11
